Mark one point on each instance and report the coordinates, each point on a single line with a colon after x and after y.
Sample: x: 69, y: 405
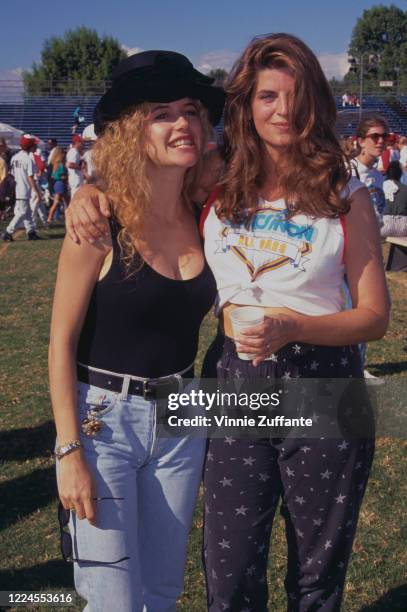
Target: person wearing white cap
x: 23, y: 169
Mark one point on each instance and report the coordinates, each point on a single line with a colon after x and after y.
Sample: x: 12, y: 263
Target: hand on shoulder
x: 86, y: 216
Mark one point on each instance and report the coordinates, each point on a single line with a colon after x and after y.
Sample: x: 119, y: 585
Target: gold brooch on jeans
x: 91, y: 426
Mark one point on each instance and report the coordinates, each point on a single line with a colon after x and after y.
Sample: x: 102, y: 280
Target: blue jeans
x: 154, y: 484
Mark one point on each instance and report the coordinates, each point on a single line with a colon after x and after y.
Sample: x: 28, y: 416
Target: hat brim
x: 128, y: 93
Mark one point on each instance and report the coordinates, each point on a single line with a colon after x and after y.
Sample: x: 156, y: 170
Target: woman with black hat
x: 125, y: 324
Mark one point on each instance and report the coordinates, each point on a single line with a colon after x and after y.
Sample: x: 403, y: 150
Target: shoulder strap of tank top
x: 115, y: 228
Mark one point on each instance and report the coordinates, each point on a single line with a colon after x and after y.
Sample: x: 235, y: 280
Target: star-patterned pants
x: 320, y: 482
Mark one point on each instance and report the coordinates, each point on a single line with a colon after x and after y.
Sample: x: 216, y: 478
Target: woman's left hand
x: 265, y: 339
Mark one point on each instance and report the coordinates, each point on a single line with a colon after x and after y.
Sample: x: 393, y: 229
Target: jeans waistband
x: 148, y: 388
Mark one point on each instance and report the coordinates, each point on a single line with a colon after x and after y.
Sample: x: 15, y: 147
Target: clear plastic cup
x: 242, y: 318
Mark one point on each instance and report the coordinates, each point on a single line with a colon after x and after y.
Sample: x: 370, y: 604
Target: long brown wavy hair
x: 120, y: 160
x: 314, y: 171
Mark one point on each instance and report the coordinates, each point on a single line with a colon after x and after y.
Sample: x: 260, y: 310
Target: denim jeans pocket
x: 96, y: 410
x: 95, y: 401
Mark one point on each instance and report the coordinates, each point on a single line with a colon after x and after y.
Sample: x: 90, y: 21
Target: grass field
x: 29, y: 537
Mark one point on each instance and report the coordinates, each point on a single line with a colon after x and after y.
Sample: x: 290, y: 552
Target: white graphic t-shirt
x: 373, y: 179
x: 296, y: 263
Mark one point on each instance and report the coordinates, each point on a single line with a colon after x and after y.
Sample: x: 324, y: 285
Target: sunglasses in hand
x: 66, y: 538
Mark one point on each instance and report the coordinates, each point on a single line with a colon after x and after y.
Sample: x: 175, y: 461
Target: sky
x: 212, y: 33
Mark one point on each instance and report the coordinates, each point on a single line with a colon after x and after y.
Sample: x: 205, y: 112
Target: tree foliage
x: 336, y: 84
x: 219, y: 75
x: 70, y: 62
x: 380, y: 38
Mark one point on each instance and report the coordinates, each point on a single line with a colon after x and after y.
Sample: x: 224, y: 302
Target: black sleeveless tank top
x: 146, y: 324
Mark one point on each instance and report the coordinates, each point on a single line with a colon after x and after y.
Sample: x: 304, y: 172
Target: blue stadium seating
x: 51, y: 116
x: 403, y: 101
x: 48, y: 117
x: 348, y: 117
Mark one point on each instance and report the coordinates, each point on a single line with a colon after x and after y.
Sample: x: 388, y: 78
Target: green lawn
x: 29, y: 541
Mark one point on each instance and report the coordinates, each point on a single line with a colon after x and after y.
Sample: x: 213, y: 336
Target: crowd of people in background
x: 378, y: 158
x: 38, y: 181
x: 350, y: 99
x: 58, y: 173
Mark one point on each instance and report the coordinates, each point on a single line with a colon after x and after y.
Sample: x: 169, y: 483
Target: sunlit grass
x: 30, y: 558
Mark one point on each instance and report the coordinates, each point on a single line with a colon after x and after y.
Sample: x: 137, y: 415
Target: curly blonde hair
x: 120, y: 161
x: 3, y: 169
x: 316, y: 171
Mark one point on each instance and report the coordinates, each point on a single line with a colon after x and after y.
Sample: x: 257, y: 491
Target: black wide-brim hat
x: 156, y: 76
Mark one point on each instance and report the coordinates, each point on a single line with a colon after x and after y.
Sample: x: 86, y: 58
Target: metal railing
x: 371, y: 89
x: 16, y: 91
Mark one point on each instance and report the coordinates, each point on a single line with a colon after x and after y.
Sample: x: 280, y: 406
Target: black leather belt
x: 148, y: 388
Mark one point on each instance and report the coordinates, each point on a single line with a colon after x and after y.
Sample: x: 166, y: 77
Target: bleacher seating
x: 219, y: 130
x: 51, y: 116
x: 48, y: 117
x: 348, y: 117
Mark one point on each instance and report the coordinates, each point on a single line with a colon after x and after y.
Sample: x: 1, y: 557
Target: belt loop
x: 180, y: 382
x: 125, y: 388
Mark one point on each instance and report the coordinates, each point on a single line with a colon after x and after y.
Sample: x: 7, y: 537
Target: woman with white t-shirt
x: 372, y: 134
x: 282, y: 230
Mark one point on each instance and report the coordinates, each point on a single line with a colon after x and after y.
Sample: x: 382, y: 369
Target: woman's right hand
x: 86, y: 216
x: 76, y: 486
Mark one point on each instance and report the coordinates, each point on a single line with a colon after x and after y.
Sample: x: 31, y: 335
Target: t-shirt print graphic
x: 270, y: 242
